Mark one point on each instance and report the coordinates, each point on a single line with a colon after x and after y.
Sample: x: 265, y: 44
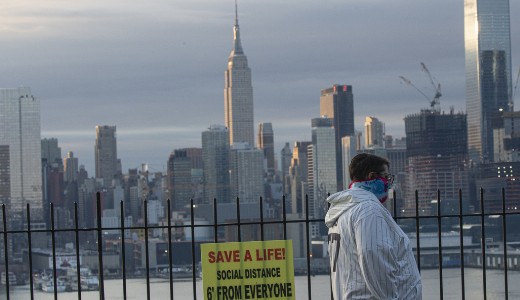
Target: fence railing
x: 239, y: 223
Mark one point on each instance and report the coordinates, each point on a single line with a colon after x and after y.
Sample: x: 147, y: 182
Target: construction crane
x: 514, y: 91
x: 434, y: 103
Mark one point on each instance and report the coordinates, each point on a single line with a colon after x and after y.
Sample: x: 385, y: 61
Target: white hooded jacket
x: 370, y: 256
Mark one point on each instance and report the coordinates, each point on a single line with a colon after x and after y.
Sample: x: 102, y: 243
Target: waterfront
x: 183, y: 290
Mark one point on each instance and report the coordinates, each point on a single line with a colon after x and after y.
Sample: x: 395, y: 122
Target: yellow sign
x: 248, y: 270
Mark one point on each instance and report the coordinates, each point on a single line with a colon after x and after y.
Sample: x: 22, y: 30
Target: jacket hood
x: 343, y: 201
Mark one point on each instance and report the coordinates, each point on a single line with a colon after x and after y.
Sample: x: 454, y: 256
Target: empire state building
x: 238, y: 94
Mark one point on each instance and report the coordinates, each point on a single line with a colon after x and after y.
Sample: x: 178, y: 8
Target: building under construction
x: 437, y: 160
x: 433, y: 133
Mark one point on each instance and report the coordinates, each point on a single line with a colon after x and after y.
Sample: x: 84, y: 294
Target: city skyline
x: 140, y: 84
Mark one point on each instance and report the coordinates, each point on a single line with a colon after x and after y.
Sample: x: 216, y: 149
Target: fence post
x: 29, y: 241
x: 100, y: 249
x: 147, y: 250
x: 123, y: 250
x: 193, y: 266
x: 170, y: 249
x: 461, y: 236
x: 504, y: 234
x: 78, y: 261
x: 439, y: 228
x: 53, y: 243
x: 417, y: 230
x: 483, y: 242
x: 6, y: 256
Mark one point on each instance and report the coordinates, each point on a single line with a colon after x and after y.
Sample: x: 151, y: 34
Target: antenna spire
x: 237, y: 47
x: 236, y: 13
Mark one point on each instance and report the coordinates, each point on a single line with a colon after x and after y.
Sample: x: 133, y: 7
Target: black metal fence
x: 239, y: 223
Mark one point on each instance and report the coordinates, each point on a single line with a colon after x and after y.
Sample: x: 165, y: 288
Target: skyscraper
x: 179, y: 179
x: 437, y: 159
x: 285, y: 162
x: 374, y: 132
x: 337, y: 103
x: 21, y: 149
x: 71, y: 167
x: 51, y: 153
x: 298, y: 172
x: 321, y: 159
x: 215, y: 155
x: 106, y: 154
x: 238, y: 94
x: 488, y: 72
x: 266, y: 143
x: 246, y: 173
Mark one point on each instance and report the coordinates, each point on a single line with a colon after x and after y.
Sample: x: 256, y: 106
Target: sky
x: 155, y: 68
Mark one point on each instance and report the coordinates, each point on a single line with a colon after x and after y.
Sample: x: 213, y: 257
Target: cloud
x: 155, y: 68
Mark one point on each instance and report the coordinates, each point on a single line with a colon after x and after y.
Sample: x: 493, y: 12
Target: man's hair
x: 363, y: 164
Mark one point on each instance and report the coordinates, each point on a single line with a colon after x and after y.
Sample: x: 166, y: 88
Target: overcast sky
x: 155, y: 68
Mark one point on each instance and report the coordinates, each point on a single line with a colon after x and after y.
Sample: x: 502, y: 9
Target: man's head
x: 366, y: 166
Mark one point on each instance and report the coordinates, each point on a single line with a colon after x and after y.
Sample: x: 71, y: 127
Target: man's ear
x: 372, y: 175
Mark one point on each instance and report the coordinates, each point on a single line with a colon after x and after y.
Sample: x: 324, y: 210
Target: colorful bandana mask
x: 378, y: 186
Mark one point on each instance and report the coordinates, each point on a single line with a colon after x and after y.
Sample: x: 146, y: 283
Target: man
x: 370, y: 256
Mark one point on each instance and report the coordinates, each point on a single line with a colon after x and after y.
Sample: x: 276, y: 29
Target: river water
x: 320, y: 287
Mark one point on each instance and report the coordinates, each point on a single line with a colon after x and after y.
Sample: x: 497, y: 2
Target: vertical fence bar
x: 504, y: 237
x: 439, y: 236
x: 6, y: 256
x: 330, y: 277
x: 194, y: 267
x: 123, y: 250
x: 394, y: 194
x: 261, y: 219
x: 284, y: 218
x: 483, y: 242
x: 215, y: 220
x: 78, y: 262
x: 417, y: 230
x: 29, y: 241
x: 147, y: 250
x: 100, y: 248
x: 238, y: 220
x: 461, y: 237
x: 170, y: 254
x: 309, y: 241
x: 53, y: 242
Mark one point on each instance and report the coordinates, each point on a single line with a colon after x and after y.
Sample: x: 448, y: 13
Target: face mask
x: 378, y: 187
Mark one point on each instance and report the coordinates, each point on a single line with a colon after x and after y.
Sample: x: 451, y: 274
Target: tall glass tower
x: 215, y: 155
x: 238, y: 94
x: 20, y: 149
x: 488, y: 72
x: 337, y: 103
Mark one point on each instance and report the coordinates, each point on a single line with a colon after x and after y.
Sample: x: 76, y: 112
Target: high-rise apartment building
x: 266, y: 143
x: 71, y: 167
x: 298, y: 173
x: 246, y: 173
x: 52, y: 173
x: 348, y: 151
x: 21, y: 149
x: 215, y: 155
x: 321, y: 159
x: 179, y: 177
x: 51, y: 153
x: 337, y: 103
x: 487, y: 39
x: 106, y: 154
x: 285, y: 162
x: 238, y: 94
x: 374, y: 132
